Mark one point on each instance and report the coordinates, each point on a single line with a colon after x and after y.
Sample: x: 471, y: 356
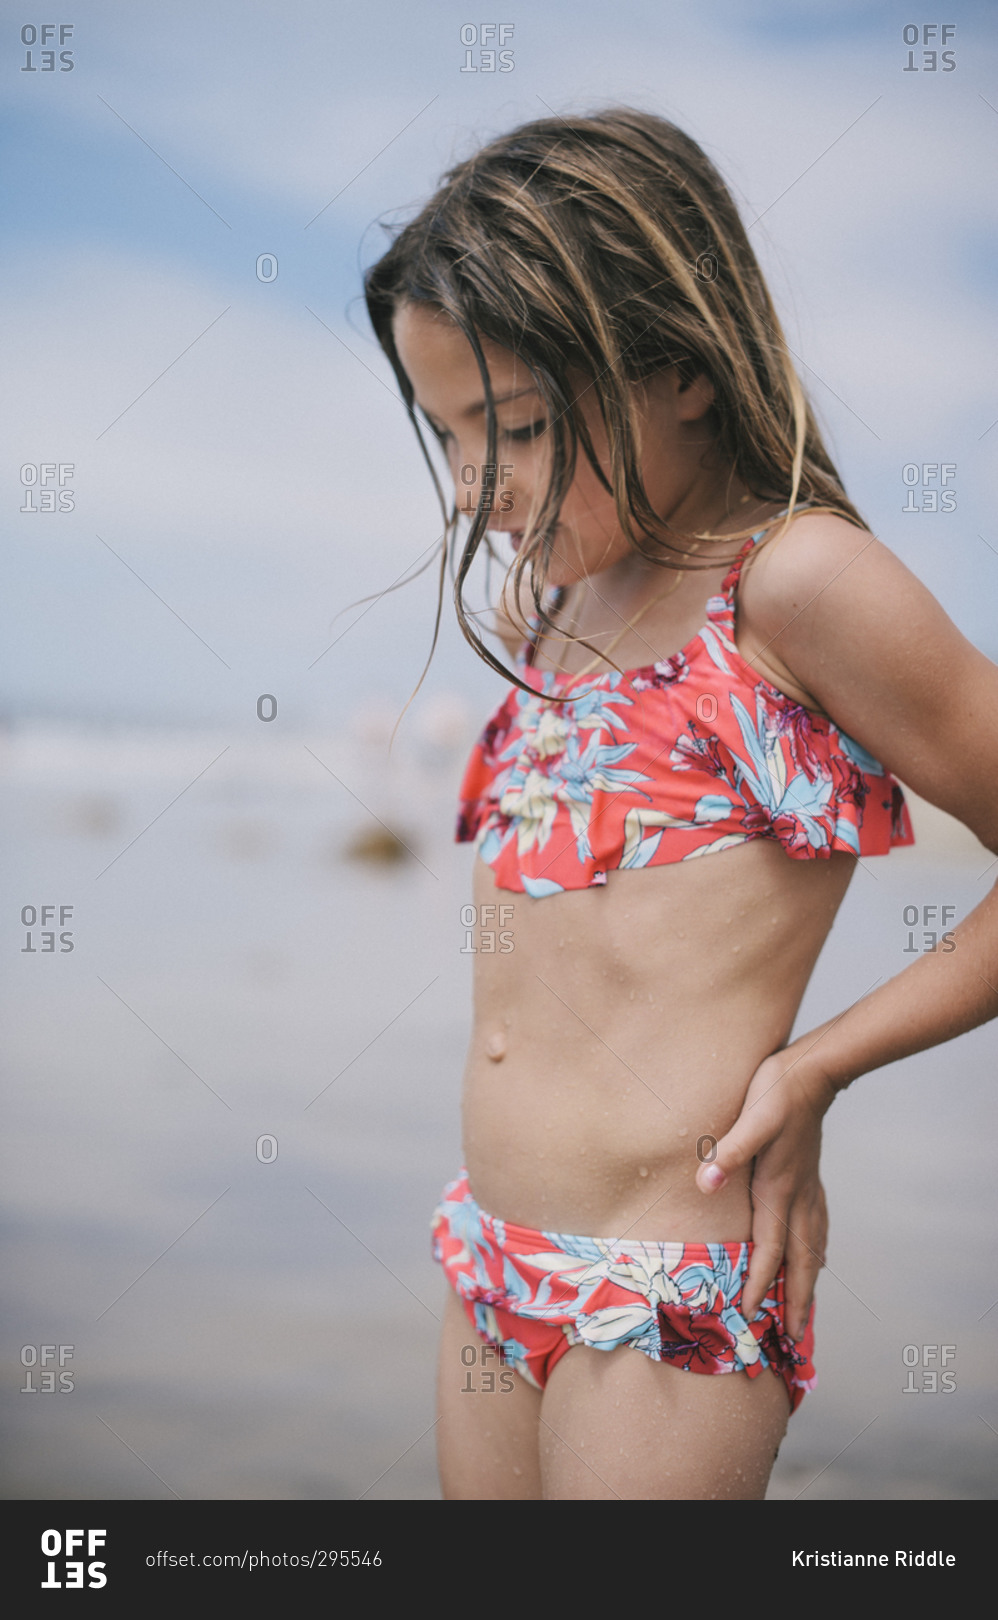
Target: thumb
x: 739, y: 1147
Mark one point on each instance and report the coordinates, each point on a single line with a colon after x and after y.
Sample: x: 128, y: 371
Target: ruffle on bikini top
x: 685, y: 757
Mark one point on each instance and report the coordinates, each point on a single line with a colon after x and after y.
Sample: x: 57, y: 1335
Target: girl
x: 722, y: 669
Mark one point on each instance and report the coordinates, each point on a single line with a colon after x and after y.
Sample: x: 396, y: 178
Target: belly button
x: 495, y: 1046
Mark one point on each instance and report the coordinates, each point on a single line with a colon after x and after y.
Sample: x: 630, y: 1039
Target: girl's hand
x: 780, y: 1128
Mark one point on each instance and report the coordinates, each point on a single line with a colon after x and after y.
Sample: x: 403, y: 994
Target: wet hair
x: 606, y: 246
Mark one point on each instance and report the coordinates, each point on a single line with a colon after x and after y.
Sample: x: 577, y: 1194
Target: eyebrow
x: 500, y: 399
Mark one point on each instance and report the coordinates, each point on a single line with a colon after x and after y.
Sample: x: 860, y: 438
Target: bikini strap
x: 730, y: 582
x: 525, y: 651
x: 534, y: 625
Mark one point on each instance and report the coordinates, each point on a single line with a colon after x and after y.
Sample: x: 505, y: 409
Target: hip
x: 535, y: 1293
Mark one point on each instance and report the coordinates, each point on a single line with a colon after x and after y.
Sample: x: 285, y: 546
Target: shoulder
x: 836, y: 612
x: 826, y: 592
x: 790, y: 572
x: 795, y: 576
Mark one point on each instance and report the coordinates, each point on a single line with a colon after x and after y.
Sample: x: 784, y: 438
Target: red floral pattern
x: 681, y: 758
x: 536, y: 1294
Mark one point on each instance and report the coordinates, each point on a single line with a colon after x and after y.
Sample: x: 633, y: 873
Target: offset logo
x: 65, y: 1570
x: 42, y: 493
x: 47, y: 34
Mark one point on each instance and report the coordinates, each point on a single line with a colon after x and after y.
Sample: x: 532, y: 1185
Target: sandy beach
x: 233, y: 1103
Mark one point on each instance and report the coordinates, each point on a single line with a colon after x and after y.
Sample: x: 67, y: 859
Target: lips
x: 514, y: 536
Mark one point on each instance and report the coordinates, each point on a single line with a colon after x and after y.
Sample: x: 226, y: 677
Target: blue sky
x: 264, y: 477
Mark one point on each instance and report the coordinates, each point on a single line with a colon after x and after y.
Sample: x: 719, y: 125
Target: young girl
x: 722, y: 670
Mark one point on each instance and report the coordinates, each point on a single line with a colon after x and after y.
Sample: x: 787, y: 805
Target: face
x: 674, y: 454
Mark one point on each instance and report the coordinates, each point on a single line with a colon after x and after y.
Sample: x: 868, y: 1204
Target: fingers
x: 805, y: 1257
x: 796, y: 1238
x: 772, y: 1111
x: 769, y: 1236
x: 775, y: 1242
x: 744, y: 1140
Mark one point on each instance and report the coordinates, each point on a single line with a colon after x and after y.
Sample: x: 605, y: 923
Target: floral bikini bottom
x: 536, y: 1294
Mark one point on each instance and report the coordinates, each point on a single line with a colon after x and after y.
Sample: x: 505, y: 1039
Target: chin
x: 556, y: 576
x: 562, y: 573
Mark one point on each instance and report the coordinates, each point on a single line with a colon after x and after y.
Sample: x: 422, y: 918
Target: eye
x: 524, y: 434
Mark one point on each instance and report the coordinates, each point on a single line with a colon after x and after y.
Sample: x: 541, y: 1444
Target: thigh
x: 617, y: 1424
x: 488, y: 1418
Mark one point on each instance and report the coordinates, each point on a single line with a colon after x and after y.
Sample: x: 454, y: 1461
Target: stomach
x: 616, y: 1030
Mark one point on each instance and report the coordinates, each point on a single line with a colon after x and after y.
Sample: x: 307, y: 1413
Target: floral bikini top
x: 684, y: 757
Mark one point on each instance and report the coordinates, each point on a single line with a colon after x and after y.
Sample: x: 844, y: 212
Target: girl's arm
x: 860, y: 633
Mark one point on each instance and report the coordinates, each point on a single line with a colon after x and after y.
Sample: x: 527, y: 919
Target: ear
x: 694, y: 397
x: 682, y: 392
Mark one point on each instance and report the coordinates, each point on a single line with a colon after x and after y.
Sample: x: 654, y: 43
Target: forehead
x: 441, y: 363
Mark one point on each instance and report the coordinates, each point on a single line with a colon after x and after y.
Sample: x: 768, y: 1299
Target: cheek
x: 589, y: 509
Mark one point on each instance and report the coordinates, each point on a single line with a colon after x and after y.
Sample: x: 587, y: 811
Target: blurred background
x: 235, y: 1001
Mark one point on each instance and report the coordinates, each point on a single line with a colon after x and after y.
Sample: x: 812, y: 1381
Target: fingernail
x: 714, y: 1176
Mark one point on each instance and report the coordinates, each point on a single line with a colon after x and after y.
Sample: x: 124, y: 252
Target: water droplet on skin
x: 495, y: 1046
x: 642, y: 1170
x: 684, y: 1130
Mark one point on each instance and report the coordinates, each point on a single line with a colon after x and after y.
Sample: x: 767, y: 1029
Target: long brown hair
x: 607, y: 245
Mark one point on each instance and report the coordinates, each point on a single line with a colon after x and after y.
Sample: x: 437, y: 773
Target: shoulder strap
x: 730, y: 582
x: 534, y: 623
x: 731, y: 578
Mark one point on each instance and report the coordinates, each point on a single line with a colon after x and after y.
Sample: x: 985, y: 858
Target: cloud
x: 259, y: 473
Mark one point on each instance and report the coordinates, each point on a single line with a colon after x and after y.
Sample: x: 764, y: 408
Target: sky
x: 189, y: 208
x: 191, y: 204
